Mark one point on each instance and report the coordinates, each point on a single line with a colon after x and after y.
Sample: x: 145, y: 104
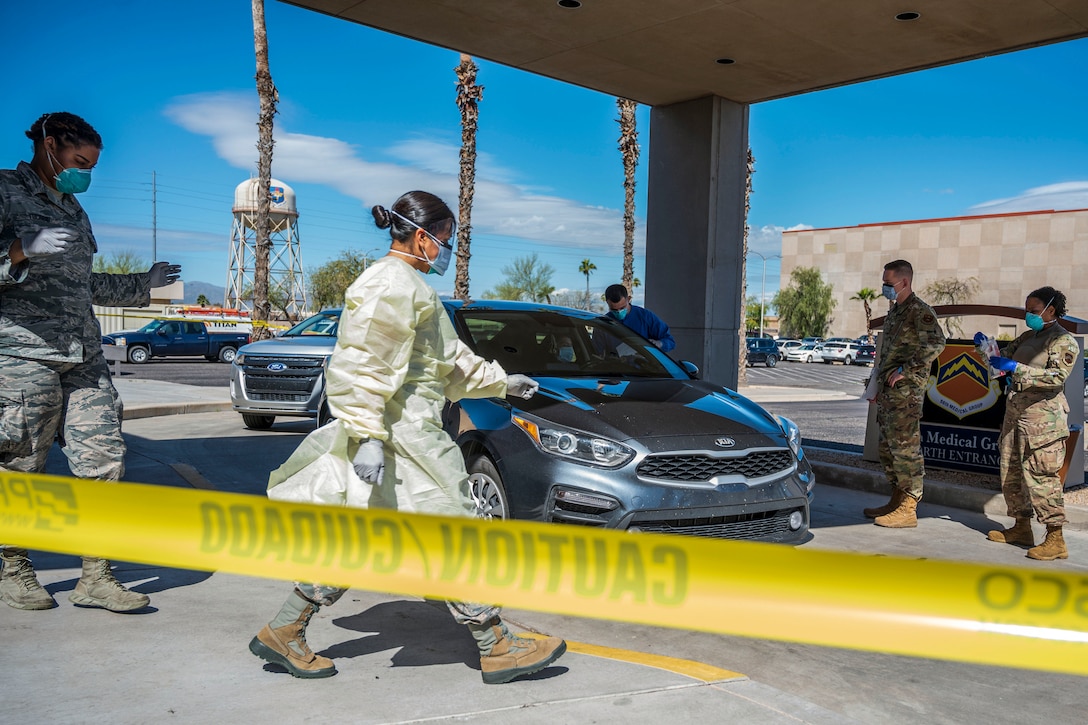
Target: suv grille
x: 294, y: 383
x: 701, y: 467
x: 763, y: 525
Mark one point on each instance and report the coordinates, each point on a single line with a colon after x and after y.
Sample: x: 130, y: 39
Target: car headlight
x: 240, y: 359
x: 119, y: 341
x: 793, y: 435
x: 575, y: 444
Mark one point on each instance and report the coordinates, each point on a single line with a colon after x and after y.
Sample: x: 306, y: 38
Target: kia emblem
x: 724, y: 442
x: 276, y: 367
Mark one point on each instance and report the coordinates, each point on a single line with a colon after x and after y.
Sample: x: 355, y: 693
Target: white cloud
x: 501, y: 208
x: 767, y: 240
x: 1066, y: 195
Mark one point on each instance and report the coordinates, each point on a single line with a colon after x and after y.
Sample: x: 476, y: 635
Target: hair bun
x: 382, y: 217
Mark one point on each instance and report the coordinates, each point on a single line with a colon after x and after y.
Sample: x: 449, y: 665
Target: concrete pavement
x: 400, y: 659
x: 185, y: 657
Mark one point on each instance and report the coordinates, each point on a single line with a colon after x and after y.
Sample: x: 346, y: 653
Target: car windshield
x: 324, y: 324
x: 547, y: 343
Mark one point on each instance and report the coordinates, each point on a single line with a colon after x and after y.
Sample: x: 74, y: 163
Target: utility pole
x: 763, y: 287
x: 154, y: 222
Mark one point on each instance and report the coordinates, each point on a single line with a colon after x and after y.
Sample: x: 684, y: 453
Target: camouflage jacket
x: 1036, y: 396
x: 45, y: 302
x: 912, y: 339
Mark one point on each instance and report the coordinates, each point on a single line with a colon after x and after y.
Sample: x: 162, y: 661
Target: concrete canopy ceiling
x: 659, y: 52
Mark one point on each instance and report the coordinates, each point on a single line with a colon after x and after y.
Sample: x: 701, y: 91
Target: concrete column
x: 695, y: 227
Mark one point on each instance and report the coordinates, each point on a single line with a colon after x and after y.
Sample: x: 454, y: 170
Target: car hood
x: 656, y: 412
x: 297, y: 345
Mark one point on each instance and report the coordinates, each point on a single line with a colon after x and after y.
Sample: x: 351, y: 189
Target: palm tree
x: 629, y: 148
x: 266, y: 91
x: 587, y: 268
x: 867, y: 295
x: 742, y: 370
x: 202, y: 300
x: 468, y: 97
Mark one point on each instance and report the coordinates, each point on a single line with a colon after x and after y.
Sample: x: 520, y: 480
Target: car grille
x: 294, y: 383
x: 763, y: 525
x: 701, y: 467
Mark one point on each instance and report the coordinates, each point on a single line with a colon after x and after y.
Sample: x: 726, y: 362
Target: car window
x: 550, y: 343
x: 324, y: 324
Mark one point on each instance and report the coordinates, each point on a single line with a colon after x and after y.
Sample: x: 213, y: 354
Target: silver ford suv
x: 285, y: 376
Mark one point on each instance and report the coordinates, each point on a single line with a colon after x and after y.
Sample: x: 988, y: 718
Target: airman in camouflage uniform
x: 1033, y: 434
x: 54, y: 381
x: 911, y: 340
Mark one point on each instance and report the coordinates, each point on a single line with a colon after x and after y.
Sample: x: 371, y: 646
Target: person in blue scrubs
x: 639, y: 319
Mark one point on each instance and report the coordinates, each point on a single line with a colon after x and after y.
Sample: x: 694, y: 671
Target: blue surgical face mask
x: 619, y: 314
x: 888, y: 291
x: 1034, y: 321
x: 441, y: 262
x: 566, y: 354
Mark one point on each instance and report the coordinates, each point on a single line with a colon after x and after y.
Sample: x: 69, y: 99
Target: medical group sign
x: 962, y: 411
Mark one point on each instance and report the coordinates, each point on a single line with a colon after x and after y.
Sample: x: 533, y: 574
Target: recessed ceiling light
x: 569, y: 4
x: 725, y: 61
x: 908, y: 16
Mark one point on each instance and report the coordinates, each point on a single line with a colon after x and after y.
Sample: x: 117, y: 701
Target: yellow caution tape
x: 1035, y: 618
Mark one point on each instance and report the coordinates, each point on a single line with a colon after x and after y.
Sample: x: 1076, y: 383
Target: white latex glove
x: 164, y: 273
x: 657, y: 343
x: 369, y: 461
x: 44, y: 242
x: 521, y: 386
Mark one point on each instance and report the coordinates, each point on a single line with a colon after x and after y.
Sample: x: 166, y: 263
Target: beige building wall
x: 1009, y: 254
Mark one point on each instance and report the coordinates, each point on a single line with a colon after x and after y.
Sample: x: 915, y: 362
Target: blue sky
x: 365, y: 116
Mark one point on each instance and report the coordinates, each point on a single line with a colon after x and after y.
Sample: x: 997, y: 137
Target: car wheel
x: 808, y: 358
x: 258, y: 422
x: 138, y: 355
x: 485, y: 486
x: 848, y: 361
x: 227, y: 354
x: 772, y: 360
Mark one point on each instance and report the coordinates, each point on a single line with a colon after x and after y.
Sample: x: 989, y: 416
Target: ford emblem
x: 724, y: 442
x: 276, y: 367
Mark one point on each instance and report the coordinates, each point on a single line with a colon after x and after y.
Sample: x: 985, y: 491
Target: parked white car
x: 785, y: 344
x: 809, y: 352
x: 843, y: 352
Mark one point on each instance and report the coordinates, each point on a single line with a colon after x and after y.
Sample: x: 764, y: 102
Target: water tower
x: 285, y: 276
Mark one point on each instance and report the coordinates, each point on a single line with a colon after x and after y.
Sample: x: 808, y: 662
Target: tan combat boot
x: 892, y: 505
x: 286, y: 645
x: 97, y: 587
x: 504, y: 656
x: 1053, y: 546
x: 19, y: 586
x: 905, y: 515
x: 1019, y: 535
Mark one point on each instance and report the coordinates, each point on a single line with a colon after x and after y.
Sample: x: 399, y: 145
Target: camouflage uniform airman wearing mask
x: 1033, y: 434
x: 911, y: 340
x: 54, y: 381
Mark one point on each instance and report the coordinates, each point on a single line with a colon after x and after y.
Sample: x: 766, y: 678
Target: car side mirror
x: 690, y: 368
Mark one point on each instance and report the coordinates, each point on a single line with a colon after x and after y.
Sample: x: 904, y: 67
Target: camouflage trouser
x: 1029, y: 476
x: 899, y: 415
x: 77, y: 400
x: 463, y: 612
x: 40, y: 400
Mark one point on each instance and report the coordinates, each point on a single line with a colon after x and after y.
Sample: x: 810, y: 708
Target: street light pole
x: 763, y: 287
